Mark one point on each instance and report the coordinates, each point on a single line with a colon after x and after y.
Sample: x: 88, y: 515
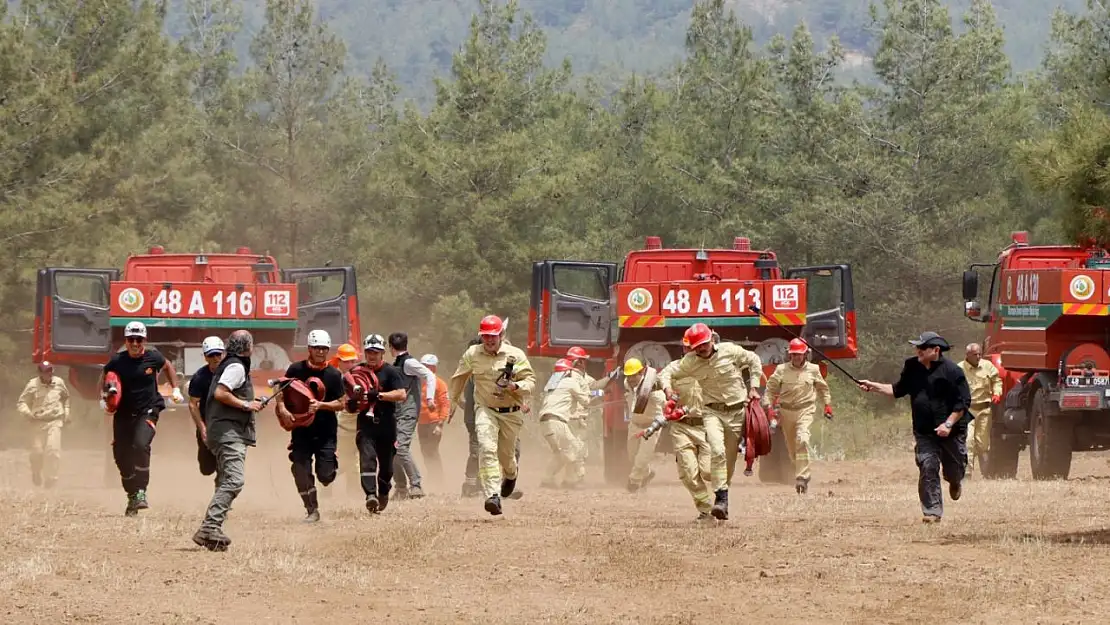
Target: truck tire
x: 1001, y: 461
x: 775, y: 467
x: 1051, y: 439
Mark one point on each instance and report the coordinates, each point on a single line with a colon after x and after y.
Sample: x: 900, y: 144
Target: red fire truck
x: 642, y: 308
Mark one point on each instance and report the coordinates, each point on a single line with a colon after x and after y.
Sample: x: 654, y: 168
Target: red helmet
x: 798, y: 346
x: 491, y: 325
x: 697, y: 334
x: 576, y: 352
x: 563, y: 364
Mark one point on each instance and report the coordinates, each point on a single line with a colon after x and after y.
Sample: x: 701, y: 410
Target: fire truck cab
x: 642, y: 307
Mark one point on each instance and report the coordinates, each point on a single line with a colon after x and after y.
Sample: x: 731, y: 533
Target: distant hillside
x: 612, y: 38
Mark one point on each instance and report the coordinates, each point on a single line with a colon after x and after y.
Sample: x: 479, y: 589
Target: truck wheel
x: 1001, y: 461
x: 1050, y: 440
x: 615, y: 457
x: 775, y: 467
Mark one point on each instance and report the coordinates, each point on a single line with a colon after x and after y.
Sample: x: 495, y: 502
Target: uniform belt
x: 722, y: 407
x: 694, y: 421
x: 787, y: 406
x: 505, y: 410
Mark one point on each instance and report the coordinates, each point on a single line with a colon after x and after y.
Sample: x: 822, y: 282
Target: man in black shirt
x: 376, y: 436
x: 199, y: 385
x: 939, y: 401
x: 136, y: 417
x: 319, y: 439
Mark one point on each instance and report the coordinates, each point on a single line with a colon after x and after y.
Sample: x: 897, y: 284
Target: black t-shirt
x: 935, y: 393
x: 333, y: 385
x: 389, y: 379
x: 199, y: 386
x: 139, y: 377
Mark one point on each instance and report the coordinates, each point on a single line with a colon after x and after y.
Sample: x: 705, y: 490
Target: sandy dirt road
x: 852, y: 551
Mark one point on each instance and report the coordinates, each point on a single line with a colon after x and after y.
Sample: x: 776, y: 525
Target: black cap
x: 931, y: 339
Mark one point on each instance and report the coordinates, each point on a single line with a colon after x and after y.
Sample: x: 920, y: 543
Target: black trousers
x: 316, y: 442
x: 377, y: 449
x: 206, y: 460
x: 937, y: 456
x: 132, y: 435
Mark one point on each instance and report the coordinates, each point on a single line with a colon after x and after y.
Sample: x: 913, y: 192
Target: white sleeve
x: 233, y: 376
x: 415, y: 367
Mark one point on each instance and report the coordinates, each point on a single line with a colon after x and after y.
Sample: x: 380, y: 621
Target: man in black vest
x: 199, y: 387
x: 229, y: 421
x: 414, y: 376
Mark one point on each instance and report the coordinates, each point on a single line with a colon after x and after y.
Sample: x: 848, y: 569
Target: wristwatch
x: 245, y: 405
x: 947, y: 425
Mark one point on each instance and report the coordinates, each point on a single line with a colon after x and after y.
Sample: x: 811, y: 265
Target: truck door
x: 571, y: 305
x: 830, y: 309
x: 72, y: 308
x: 327, y: 299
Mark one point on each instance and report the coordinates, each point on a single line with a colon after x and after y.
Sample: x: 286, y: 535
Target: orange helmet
x: 697, y: 334
x: 576, y: 352
x: 798, y: 346
x: 347, y: 352
x: 491, y: 325
x: 563, y: 364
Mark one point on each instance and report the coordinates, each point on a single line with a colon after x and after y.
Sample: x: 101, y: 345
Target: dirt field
x: 853, y: 551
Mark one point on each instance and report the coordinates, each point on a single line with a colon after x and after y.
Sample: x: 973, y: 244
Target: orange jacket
x: 443, y: 407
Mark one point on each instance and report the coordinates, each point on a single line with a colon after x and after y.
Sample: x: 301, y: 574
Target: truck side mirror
x: 971, y: 285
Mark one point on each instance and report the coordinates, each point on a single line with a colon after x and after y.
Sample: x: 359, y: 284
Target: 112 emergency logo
x: 131, y: 300
x: 1082, y: 287
x: 640, y: 300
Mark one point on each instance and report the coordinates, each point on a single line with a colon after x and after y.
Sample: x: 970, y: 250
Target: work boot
x: 493, y: 505
x: 416, y: 492
x: 720, y: 505
x: 132, y: 505
x: 648, y: 479
x: 372, y: 504
x: 383, y: 501
x: 801, y: 485
x: 956, y: 489
x: 212, y: 540
x: 140, y: 500
x: 508, y: 486
x: 313, y: 516
x: 930, y: 518
x: 703, y: 517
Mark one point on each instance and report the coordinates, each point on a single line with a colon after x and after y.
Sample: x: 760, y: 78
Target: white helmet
x: 374, y: 342
x: 319, y: 338
x: 212, y: 345
x: 429, y: 360
x: 135, y: 328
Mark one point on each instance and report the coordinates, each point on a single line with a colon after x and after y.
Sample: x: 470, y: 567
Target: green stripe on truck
x: 157, y: 322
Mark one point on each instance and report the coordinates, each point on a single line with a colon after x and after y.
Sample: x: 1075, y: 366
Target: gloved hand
x: 774, y: 426
x: 372, y: 395
x: 178, y: 398
x: 828, y: 412
x: 996, y: 399
x: 352, y: 405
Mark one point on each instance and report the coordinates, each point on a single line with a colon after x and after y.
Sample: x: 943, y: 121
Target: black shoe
x: 372, y: 504
x: 801, y: 485
x: 383, y: 501
x: 493, y: 505
x: 956, y: 489
x: 140, y: 500
x: 313, y: 516
x: 132, y: 505
x: 508, y: 486
x: 720, y: 506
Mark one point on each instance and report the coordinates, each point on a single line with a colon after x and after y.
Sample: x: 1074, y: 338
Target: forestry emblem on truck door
x: 639, y: 300
x: 1082, y: 287
x: 131, y: 300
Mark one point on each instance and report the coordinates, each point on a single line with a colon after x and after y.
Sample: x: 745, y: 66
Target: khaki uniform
x: 691, y: 449
x: 725, y: 378
x: 984, y: 381
x: 640, y: 451
x: 580, y: 424
x: 347, y: 451
x: 561, y: 406
x: 497, y: 415
x: 797, y: 391
x: 46, y: 406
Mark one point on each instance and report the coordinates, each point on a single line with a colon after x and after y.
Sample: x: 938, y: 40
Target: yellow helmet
x: 632, y: 366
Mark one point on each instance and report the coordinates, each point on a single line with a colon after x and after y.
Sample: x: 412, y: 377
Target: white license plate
x: 1077, y: 380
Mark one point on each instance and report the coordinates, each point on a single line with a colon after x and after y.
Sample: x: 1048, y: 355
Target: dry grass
x: 852, y: 551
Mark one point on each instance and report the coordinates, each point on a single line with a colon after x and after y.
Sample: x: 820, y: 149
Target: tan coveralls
x: 497, y: 415
x: 46, y: 406
x: 640, y: 451
x: 984, y: 382
x: 580, y: 423
x: 724, y: 391
x: 561, y: 406
x: 691, y: 449
x: 347, y: 451
x: 797, y: 391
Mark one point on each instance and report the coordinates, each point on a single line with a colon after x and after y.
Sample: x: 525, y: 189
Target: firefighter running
x: 641, y: 450
x: 719, y: 370
x: 986, y: 389
x: 44, y: 402
x: 563, y: 400
x: 135, y: 419
x: 503, y: 382
x: 317, y: 440
x: 795, y: 388
x: 376, y: 438
x: 691, y: 446
x: 594, y: 388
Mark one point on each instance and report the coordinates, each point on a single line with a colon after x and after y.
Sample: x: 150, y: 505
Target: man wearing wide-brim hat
x: 939, y: 400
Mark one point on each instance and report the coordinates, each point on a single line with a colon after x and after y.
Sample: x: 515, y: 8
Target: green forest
x: 299, y: 129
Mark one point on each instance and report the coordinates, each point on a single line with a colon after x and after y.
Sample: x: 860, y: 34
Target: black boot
x: 801, y: 485
x: 507, y: 487
x: 311, y: 506
x: 493, y: 505
x: 720, y: 505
